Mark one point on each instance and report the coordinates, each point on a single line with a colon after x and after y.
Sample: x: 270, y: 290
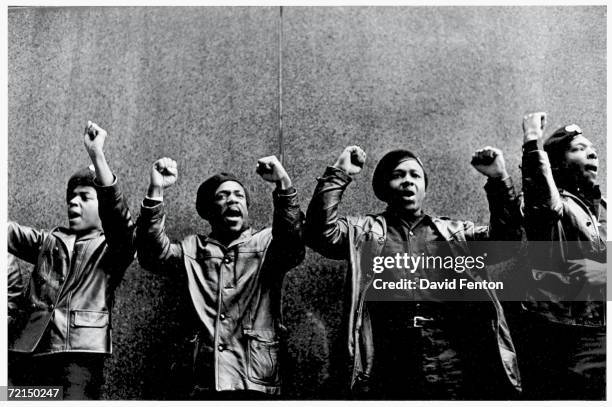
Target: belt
x: 422, y: 322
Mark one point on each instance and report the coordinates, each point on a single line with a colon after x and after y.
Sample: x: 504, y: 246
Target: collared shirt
x: 417, y: 239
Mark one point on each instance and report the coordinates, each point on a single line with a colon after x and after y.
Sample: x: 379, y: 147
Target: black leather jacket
x: 359, y: 238
x: 69, y: 300
x: 560, y: 226
x: 235, y: 292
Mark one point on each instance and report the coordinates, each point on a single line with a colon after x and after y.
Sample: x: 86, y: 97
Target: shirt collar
x: 396, y: 218
x: 244, y: 236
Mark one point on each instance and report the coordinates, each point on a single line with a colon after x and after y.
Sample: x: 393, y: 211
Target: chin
x: 235, y: 228
x: 409, y: 209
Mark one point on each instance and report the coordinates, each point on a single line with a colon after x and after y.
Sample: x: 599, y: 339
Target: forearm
x: 116, y: 218
x: 104, y: 175
x: 155, y: 250
x: 325, y: 232
x: 24, y: 242
x: 287, y: 246
x: 542, y: 199
x: 504, y: 206
x: 155, y: 192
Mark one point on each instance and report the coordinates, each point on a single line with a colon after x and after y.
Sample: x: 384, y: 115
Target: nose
x: 592, y: 154
x: 73, y: 201
x: 232, y: 198
x: 407, y: 181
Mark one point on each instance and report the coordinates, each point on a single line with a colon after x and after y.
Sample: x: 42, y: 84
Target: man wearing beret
x: 412, y: 343
x: 234, y: 276
x: 563, y: 329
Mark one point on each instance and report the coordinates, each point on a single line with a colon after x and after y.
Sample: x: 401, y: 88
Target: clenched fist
x: 94, y: 138
x: 163, y: 175
x: 351, y: 160
x: 490, y: 162
x: 271, y: 170
x: 533, y: 126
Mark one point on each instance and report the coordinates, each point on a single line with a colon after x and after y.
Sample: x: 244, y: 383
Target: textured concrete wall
x: 199, y: 85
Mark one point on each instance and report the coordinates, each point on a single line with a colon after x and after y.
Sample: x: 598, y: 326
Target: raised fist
x: 351, y: 160
x: 533, y: 126
x: 163, y: 173
x: 271, y: 170
x: 490, y: 162
x: 94, y: 138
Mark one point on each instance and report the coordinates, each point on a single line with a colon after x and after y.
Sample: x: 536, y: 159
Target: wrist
x: 340, y: 167
x: 284, y: 183
x: 531, y: 135
x: 96, y: 155
x: 155, y: 191
x: 499, y: 175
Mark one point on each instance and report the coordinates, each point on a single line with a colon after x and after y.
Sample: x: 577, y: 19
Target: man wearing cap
x: 411, y: 344
x: 562, y: 332
x: 234, y: 277
x: 66, y: 334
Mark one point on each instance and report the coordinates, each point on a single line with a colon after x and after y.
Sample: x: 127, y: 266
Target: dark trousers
x: 455, y: 358
x: 79, y: 374
x: 561, y: 362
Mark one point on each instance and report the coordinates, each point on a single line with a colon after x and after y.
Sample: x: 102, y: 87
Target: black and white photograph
x: 305, y: 202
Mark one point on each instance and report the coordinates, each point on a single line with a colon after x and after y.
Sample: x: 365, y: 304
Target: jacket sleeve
x: 542, y: 199
x: 325, y: 232
x: 17, y: 281
x: 119, y: 228
x: 504, y: 225
x: 25, y: 242
x: 504, y: 207
x: 155, y: 251
x: 287, y: 245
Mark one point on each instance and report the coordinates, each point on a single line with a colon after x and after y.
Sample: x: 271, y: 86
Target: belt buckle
x: 417, y: 321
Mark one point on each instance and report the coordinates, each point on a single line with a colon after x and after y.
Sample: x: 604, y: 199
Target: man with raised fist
x: 414, y: 343
x: 234, y: 276
x: 563, y: 329
x: 67, y: 332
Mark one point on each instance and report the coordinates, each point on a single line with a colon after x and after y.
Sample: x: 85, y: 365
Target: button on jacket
x: 359, y: 238
x: 560, y: 227
x: 71, y: 290
x: 235, y: 292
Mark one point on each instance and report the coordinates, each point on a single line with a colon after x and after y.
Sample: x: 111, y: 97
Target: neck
x: 224, y: 236
x: 409, y: 216
x: 84, y: 234
x: 579, y: 186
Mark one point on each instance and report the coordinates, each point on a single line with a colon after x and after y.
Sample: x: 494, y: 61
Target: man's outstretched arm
x: 504, y: 205
x: 326, y: 233
x: 543, y: 203
x: 117, y: 223
x: 155, y: 251
x: 287, y: 246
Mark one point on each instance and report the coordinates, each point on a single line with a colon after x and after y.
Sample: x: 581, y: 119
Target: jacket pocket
x: 262, y: 357
x: 89, y: 319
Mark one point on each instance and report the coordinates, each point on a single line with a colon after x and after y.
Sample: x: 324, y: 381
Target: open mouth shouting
x: 408, y: 195
x: 591, y: 168
x: 233, y: 214
x: 73, y: 215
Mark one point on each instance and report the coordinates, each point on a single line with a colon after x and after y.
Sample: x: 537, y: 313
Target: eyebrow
x: 583, y: 144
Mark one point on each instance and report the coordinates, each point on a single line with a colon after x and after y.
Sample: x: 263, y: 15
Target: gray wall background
x: 200, y: 85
